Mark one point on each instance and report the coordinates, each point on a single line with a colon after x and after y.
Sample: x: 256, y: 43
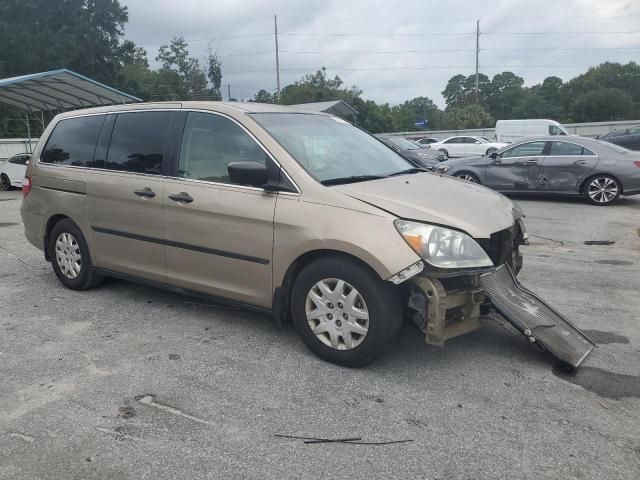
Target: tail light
x: 637, y: 163
x: 26, y: 186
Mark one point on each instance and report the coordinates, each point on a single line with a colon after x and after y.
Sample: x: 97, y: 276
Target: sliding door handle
x: 146, y: 192
x: 182, y: 197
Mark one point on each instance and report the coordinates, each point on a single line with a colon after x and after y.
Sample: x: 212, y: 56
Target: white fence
x: 583, y: 129
x: 10, y: 146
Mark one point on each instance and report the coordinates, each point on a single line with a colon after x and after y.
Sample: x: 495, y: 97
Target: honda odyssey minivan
x: 296, y: 213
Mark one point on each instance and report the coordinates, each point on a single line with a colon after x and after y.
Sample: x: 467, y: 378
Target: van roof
x: 243, y: 107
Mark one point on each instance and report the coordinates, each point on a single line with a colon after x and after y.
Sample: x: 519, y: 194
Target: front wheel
x: 491, y: 150
x: 445, y: 153
x: 467, y: 176
x: 344, y: 312
x: 602, y: 190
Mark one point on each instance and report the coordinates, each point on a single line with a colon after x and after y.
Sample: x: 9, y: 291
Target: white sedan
x: 13, y: 170
x: 462, y: 146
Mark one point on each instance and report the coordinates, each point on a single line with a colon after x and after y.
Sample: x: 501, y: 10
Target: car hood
x: 431, y: 198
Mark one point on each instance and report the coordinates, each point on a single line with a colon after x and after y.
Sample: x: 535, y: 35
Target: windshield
x: 329, y: 147
x: 403, y: 143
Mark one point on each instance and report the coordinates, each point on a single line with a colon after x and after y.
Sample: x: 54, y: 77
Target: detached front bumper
x: 444, y: 308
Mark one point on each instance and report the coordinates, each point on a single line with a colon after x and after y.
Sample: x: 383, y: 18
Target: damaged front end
x: 447, y: 303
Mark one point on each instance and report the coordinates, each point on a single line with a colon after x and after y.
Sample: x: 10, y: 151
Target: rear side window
x: 568, y: 149
x: 73, y: 141
x: 138, y: 142
x: 210, y: 143
x: 553, y: 130
x: 531, y: 149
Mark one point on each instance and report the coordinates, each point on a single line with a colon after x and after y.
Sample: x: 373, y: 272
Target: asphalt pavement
x: 126, y: 381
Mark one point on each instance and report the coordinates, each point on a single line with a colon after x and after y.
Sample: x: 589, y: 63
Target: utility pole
x: 229, y: 91
x: 275, y: 31
x: 477, y: 60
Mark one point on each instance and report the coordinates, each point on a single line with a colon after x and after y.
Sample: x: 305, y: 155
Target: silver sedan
x: 599, y: 171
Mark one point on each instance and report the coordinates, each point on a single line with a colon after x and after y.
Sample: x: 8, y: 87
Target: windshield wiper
x: 409, y: 171
x: 352, y: 179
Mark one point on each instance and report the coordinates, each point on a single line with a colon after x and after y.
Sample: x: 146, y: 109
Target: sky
x: 393, y: 50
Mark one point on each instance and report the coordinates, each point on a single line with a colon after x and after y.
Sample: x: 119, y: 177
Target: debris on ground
x: 599, y: 242
x: 354, y: 440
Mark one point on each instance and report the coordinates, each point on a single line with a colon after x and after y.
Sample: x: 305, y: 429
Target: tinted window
x: 455, y: 140
x: 470, y: 140
x: 73, y: 141
x: 138, y: 142
x: 525, y: 150
x: 209, y: 143
x: 634, y: 131
x: 564, y: 148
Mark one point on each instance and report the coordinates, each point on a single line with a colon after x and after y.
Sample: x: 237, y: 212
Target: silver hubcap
x: 602, y: 190
x: 68, y: 255
x: 337, y: 314
x: 467, y: 178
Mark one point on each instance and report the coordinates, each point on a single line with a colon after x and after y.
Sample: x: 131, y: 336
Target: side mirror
x: 493, y: 155
x: 248, y: 173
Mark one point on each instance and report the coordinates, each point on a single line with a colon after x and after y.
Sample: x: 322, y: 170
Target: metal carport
x: 57, y: 90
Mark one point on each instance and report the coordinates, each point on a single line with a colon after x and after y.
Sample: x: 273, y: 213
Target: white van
x: 509, y: 131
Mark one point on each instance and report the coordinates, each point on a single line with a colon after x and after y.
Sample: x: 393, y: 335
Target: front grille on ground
x: 534, y: 318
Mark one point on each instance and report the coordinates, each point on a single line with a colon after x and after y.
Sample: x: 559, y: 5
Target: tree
x: 174, y: 57
x: 263, y: 97
x: 82, y: 35
x: 469, y: 116
x: 214, y: 72
x: 602, y: 105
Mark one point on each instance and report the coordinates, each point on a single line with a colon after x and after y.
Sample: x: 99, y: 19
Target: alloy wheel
x: 602, y: 189
x: 5, y: 183
x: 337, y: 314
x: 68, y: 255
x: 467, y: 177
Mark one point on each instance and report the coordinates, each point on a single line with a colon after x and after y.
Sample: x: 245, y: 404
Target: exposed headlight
x: 443, y: 247
x: 443, y: 169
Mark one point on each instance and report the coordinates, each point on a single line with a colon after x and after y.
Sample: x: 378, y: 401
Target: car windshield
x: 329, y: 148
x: 403, y: 143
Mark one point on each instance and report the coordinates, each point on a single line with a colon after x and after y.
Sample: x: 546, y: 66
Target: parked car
x: 13, y: 170
x: 295, y: 213
x: 628, y: 138
x: 597, y: 170
x: 421, y: 156
x: 425, y: 140
x: 510, y: 131
x: 465, y: 146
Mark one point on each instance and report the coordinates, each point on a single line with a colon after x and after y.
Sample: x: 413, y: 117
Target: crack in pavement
x: 149, y: 400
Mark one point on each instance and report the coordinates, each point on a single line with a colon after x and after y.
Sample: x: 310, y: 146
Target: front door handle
x: 146, y: 192
x: 182, y: 197
x: 531, y: 162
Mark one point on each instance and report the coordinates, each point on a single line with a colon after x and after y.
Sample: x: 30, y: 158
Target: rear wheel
x: 70, y: 257
x: 602, y: 190
x: 343, y: 312
x: 5, y: 183
x: 445, y: 153
x: 468, y: 176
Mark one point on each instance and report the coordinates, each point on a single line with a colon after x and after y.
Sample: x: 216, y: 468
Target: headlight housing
x: 443, y: 247
x: 443, y: 168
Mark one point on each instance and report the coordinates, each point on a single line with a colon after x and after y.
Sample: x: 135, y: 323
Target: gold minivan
x: 279, y: 209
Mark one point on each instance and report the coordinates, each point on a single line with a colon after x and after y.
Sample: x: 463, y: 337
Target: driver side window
x: 210, y: 143
x: 531, y: 149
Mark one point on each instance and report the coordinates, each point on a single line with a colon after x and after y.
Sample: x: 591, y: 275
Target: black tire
x: 5, y: 183
x: 468, y: 176
x: 445, y: 152
x: 86, y: 277
x: 607, y: 197
x: 381, y: 299
x: 491, y: 150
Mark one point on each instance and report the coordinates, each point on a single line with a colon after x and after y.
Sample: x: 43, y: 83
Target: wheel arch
x: 282, y: 294
x: 592, y: 175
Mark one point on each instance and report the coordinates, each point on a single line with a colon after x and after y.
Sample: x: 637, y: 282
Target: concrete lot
x: 130, y: 382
